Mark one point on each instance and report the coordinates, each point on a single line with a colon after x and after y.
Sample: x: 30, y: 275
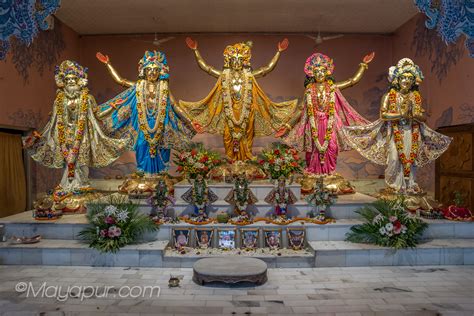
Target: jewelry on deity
x: 329, y: 109
x: 237, y: 126
x: 70, y: 152
x: 142, y: 108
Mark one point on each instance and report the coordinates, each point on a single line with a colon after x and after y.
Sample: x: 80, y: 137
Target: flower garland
x: 241, y: 195
x: 330, y: 110
x: 232, y: 122
x: 407, y: 162
x: 70, y: 155
x: 200, y: 194
x: 142, y: 101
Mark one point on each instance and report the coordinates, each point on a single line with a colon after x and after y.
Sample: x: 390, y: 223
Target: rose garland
x: 142, y: 100
x: 232, y: 122
x: 70, y: 155
x: 407, y: 162
x: 330, y: 110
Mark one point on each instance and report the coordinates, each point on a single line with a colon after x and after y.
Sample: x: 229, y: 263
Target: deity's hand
x: 283, y: 45
x: 282, y: 131
x: 368, y: 58
x: 191, y: 43
x: 198, y: 127
x: 102, y: 58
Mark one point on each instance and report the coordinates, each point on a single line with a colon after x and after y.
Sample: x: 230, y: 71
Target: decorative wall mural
x: 23, y: 20
x: 27, y: 118
x: 373, y: 95
x: 451, y: 18
x: 446, y: 118
x: 426, y: 43
x: 43, y: 54
x: 467, y: 113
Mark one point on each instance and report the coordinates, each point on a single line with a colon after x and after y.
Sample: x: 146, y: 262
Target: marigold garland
x: 71, y: 154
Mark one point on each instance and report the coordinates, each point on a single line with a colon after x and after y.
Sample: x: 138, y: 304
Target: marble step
x: 320, y: 254
x: 75, y: 253
x: 69, y: 226
x: 432, y: 252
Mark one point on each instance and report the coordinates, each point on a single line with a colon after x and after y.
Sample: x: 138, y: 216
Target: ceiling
x: 235, y: 16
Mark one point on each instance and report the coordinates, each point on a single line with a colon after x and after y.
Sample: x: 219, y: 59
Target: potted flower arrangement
x: 388, y: 224
x: 196, y: 160
x: 280, y: 160
x: 115, y: 224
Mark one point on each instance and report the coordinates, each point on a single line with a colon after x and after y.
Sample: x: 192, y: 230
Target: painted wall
x: 27, y: 83
x: 27, y: 87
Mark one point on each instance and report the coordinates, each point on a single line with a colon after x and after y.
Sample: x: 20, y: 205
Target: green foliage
x: 388, y: 224
x: 115, y: 224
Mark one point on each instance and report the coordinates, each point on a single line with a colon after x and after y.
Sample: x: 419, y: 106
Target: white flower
x: 389, y: 227
x: 110, y: 210
x: 278, y: 161
x: 382, y: 231
x: 277, y: 168
x: 122, y: 216
x: 266, y: 166
x: 199, y: 165
x: 377, y: 219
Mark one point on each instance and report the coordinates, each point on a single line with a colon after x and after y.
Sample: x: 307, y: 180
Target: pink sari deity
x: 318, y: 130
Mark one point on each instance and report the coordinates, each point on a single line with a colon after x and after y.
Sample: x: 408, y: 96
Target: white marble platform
x: 432, y: 252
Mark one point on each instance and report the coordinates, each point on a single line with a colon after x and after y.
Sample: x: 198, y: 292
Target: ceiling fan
x: 158, y: 42
x: 318, y: 40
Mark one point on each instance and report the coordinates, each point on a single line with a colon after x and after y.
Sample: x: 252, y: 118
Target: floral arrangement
x: 197, y: 160
x: 320, y: 200
x: 456, y: 211
x: 115, y: 225
x: 388, y: 224
x: 280, y: 160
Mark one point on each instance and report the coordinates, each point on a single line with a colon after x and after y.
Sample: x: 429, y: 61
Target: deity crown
x: 153, y: 58
x: 317, y: 60
x: 238, y: 50
x: 405, y: 65
x: 69, y: 67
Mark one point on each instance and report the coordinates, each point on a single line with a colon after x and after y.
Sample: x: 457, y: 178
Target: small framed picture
x: 249, y: 238
x: 203, y: 237
x: 272, y: 238
x: 226, y: 238
x: 181, y: 237
x: 296, y: 238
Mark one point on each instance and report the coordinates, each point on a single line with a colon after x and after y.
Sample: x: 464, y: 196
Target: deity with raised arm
x: 148, y: 109
x: 73, y: 138
x: 237, y: 107
x: 400, y: 139
x: 317, y: 131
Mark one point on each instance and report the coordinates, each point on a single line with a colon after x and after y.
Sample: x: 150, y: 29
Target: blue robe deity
x: 148, y: 111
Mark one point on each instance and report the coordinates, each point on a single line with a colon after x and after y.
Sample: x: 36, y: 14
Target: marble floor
x: 53, y: 290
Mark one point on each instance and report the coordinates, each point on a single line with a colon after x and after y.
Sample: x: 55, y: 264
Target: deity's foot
x: 332, y: 182
x: 141, y: 186
x: 413, y: 200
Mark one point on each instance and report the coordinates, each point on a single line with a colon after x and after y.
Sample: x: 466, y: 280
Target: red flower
x: 261, y: 162
x: 204, y: 159
x: 397, y: 225
x: 180, y: 168
x: 277, y: 151
x: 271, y: 161
x: 193, y: 152
x: 294, y: 164
x: 205, y: 168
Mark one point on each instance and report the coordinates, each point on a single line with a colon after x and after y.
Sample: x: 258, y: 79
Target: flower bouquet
x: 456, y: 211
x: 280, y: 160
x: 197, y: 160
x: 388, y: 224
x: 114, y: 225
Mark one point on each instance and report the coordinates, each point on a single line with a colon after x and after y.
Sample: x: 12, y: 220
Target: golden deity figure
x: 73, y: 138
x: 400, y: 139
x: 237, y: 107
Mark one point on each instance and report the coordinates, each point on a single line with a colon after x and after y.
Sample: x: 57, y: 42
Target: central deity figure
x: 237, y: 107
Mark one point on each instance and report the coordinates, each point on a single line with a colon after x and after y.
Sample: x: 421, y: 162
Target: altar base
x: 413, y: 201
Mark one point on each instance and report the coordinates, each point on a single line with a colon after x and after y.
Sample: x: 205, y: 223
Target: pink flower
x: 109, y: 220
x: 392, y: 219
x: 103, y: 233
x: 114, y: 231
